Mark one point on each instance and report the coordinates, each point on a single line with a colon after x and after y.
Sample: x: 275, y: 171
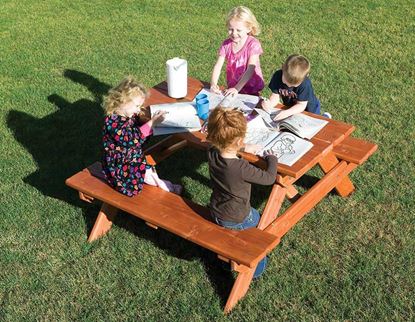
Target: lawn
x: 349, y: 259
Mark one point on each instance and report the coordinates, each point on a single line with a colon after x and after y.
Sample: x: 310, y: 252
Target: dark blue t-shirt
x: 290, y: 95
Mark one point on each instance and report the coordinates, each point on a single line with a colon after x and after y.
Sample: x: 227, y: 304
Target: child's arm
x: 295, y: 109
x: 273, y: 100
x: 252, y: 62
x: 252, y: 174
x: 215, y: 74
x: 146, y: 128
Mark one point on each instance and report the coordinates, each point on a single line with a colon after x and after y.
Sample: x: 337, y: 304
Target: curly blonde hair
x: 245, y: 15
x: 225, y: 126
x: 124, y: 92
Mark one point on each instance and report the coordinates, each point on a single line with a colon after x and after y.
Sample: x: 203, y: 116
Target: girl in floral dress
x: 123, y: 163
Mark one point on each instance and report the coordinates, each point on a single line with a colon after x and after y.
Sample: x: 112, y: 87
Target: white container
x: 176, y: 77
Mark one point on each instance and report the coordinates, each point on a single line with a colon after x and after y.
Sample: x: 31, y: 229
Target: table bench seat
x: 354, y: 150
x: 182, y: 217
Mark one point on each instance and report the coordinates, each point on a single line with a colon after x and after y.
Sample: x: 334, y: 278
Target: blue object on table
x: 202, y: 107
x: 201, y: 97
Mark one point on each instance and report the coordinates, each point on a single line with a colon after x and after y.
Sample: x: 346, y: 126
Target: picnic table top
x: 323, y: 142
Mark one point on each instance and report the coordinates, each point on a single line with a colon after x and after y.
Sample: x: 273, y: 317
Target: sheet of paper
x: 288, y: 148
x: 181, y: 114
x: 244, y: 102
x: 258, y: 133
x: 170, y: 130
x: 303, y: 125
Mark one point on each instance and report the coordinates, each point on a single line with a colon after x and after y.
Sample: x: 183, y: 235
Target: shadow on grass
x: 69, y: 140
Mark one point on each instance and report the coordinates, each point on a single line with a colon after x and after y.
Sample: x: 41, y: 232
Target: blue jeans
x: 251, y: 220
x: 317, y: 109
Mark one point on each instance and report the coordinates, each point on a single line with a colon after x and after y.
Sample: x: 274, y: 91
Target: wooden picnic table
x: 334, y: 150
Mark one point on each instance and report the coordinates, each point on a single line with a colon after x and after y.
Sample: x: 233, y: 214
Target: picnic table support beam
x: 163, y: 149
x: 273, y: 206
x: 103, y: 222
x: 239, y: 289
x: 281, y: 225
x: 345, y: 186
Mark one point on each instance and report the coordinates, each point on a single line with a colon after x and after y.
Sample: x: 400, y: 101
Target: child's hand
x: 266, y: 104
x: 267, y: 153
x: 215, y: 89
x: 252, y: 148
x: 230, y: 92
x: 158, y: 117
x: 281, y: 115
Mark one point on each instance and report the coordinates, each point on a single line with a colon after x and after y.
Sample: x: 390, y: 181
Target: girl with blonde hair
x: 124, y: 164
x: 241, y: 51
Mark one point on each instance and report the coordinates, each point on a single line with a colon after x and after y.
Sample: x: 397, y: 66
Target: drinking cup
x: 202, y: 106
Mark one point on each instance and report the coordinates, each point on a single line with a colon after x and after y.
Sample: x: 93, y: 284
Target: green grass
x: 350, y: 259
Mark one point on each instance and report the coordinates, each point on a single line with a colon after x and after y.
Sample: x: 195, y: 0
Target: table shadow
x: 69, y: 139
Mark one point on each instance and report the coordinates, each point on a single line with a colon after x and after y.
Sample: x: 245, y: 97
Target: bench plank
x: 179, y: 216
x: 354, y: 150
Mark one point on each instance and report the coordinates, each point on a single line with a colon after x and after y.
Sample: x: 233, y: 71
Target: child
x: 241, y: 52
x: 123, y: 163
x: 231, y: 176
x: 292, y: 84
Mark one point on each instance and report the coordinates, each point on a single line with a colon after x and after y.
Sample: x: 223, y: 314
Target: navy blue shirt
x: 291, y: 95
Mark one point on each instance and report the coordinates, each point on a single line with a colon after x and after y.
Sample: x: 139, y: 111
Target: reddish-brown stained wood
x: 307, y: 201
x: 273, y: 206
x: 239, y: 289
x: 354, y: 150
x: 103, y: 222
x: 181, y: 217
x: 163, y: 149
x: 334, y: 132
x: 345, y: 186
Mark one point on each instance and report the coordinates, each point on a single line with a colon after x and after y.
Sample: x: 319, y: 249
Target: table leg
x: 239, y: 289
x: 163, y: 149
x: 273, y: 206
x: 306, y: 202
x: 103, y: 222
x: 345, y: 187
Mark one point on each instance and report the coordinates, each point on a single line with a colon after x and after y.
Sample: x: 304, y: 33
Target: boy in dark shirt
x: 232, y: 176
x: 292, y: 85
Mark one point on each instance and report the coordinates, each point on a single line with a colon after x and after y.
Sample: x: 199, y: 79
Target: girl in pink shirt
x: 241, y: 52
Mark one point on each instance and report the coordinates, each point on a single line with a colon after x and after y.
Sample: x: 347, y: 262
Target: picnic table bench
x: 334, y: 150
x: 159, y: 208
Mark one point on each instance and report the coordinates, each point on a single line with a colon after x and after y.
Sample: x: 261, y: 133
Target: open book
x: 246, y: 103
x: 286, y: 146
x: 180, y: 117
x: 300, y: 124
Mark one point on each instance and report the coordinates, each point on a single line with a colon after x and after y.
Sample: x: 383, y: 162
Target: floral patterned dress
x: 123, y: 162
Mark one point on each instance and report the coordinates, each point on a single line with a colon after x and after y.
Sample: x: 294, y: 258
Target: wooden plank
x: 273, y: 206
x: 355, y: 150
x: 239, y: 289
x: 103, y: 222
x: 334, y: 132
x: 181, y: 217
x: 163, y: 149
x: 345, y: 186
x: 306, y: 202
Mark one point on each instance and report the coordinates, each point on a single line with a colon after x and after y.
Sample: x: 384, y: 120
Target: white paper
x: 303, y: 125
x: 288, y: 147
x: 181, y: 117
x: 246, y: 103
